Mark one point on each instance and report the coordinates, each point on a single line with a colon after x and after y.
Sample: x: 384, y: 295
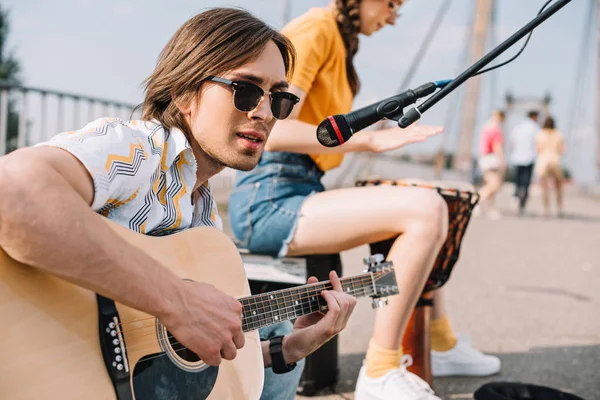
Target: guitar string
x: 163, y: 354
x: 139, y: 346
x: 258, y: 303
x: 285, y: 311
x: 361, y: 280
x: 260, y: 316
x: 304, y: 296
x: 153, y: 326
x: 270, y: 314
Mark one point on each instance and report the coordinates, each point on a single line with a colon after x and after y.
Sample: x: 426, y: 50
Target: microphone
x: 337, y: 129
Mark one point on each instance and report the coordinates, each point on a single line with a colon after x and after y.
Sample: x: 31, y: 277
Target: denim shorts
x: 265, y: 203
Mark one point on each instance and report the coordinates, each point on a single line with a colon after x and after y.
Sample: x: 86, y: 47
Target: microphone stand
x: 415, y: 113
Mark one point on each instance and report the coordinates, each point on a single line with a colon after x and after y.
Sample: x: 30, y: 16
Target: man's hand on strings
x: 314, y: 330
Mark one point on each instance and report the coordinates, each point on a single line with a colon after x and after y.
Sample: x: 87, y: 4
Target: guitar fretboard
x: 283, y: 305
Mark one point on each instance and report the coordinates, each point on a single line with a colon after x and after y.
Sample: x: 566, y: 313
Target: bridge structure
x: 29, y: 115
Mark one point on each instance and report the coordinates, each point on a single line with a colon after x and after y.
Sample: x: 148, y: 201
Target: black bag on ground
x: 520, y: 391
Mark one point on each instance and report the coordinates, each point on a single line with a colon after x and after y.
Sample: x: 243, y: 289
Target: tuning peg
x: 373, y: 259
x: 379, y: 303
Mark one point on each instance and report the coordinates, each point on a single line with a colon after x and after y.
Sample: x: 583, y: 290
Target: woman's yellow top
x: 320, y: 72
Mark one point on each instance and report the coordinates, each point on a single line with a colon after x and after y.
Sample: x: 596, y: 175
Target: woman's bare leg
x: 439, y: 304
x: 545, y: 195
x: 443, y: 338
x: 338, y: 220
x: 559, y: 196
x: 493, y: 183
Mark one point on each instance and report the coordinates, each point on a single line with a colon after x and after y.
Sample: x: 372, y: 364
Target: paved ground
x: 526, y: 289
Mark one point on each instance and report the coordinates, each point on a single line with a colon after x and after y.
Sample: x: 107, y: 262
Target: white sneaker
x: 398, y: 384
x: 463, y: 360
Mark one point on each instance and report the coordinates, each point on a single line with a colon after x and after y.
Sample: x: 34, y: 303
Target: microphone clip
x: 393, y: 108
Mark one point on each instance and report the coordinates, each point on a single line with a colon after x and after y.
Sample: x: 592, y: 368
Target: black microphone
x: 338, y: 129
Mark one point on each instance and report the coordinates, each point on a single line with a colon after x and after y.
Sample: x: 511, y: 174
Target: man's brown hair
x: 211, y: 43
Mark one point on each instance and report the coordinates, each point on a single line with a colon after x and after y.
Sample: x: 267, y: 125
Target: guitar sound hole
x: 182, y: 351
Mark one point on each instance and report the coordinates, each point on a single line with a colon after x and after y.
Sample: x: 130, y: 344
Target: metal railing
x: 29, y: 115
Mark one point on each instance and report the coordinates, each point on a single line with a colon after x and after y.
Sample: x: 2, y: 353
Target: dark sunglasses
x: 247, y: 96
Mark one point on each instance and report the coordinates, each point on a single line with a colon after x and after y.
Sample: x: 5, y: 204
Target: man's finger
x: 212, y: 358
x: 343, y: 301
x: 329, y: 321
x: 335, y: 281
x: 239, y: 339
x: 228, y: 352
x: 349, y: 310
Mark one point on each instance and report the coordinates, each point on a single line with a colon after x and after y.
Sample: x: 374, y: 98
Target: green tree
x: 9, y: 72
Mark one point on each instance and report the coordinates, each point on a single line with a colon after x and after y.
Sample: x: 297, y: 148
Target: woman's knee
x: 431, y: 216
x: 439, y: 215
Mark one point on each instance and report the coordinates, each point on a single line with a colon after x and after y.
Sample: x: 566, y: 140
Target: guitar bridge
x: 112, y: 344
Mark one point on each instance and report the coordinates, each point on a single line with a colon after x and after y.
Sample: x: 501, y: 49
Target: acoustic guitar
x: 61, y: 341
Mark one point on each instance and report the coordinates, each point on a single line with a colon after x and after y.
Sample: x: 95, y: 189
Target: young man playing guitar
x: 211, y: 102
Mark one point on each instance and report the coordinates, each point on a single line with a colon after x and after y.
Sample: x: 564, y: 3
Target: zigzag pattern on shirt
x: 155, y: 147
x: 138, y: 222
x: 101, y: 183
x: 99, y: 130
x: 204, y: 218
x: 160, y: 187
x: 125, y: 165
x: 159, y: 181
x: 115, y: 203
x: 176, y: 189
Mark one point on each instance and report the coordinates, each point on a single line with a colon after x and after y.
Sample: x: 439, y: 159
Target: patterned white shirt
x: 143, y: 174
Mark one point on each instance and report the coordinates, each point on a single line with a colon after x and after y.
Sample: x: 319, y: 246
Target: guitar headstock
x: 383, y: 278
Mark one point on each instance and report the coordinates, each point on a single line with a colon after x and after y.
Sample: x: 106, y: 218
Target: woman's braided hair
x: 348, y: 21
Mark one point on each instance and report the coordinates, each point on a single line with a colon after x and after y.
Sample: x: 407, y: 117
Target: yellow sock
x: 380, y: 361
x: 442, y: 335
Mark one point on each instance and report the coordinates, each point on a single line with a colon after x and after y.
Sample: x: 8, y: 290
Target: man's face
x: 230, y: 137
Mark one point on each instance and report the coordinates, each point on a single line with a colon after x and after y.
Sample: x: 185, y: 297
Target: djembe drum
x: 416, y: 341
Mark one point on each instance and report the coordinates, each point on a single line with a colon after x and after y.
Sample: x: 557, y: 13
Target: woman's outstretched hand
x: 393, y: 138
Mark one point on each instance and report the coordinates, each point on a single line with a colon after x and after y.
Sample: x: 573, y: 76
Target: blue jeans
x: 522, y: 181
x: 265, y: 203
x: 280, y: 386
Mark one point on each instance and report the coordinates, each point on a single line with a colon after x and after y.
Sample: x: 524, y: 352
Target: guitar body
x: 50, y: 344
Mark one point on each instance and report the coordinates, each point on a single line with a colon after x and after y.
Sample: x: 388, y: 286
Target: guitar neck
x: 271, y: 308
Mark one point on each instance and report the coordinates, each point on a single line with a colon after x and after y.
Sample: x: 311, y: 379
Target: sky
x: 107, y: 48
